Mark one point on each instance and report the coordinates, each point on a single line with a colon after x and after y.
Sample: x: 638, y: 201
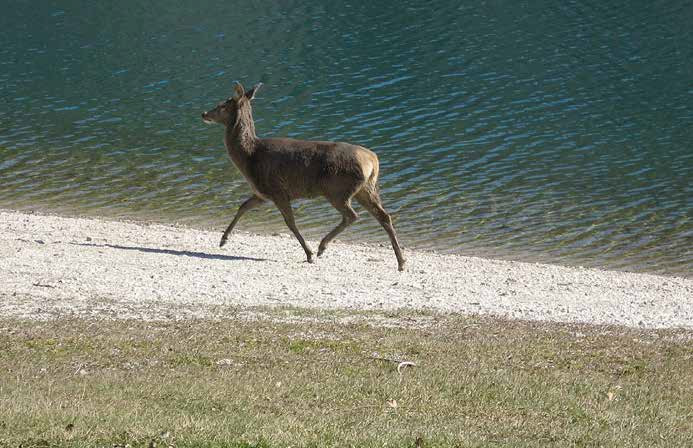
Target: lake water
x: 543, y: 131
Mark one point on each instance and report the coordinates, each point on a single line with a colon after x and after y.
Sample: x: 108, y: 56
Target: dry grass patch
x: 316, y: 382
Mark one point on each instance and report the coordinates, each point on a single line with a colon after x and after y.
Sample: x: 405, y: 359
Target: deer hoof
x: 222, y: 242
x: 321, y: 250
x: 400, y: 266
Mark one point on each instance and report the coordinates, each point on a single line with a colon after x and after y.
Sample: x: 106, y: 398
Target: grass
x: 316, y: 382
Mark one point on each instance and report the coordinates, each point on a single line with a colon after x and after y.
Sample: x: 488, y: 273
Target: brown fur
x: 283, y: 169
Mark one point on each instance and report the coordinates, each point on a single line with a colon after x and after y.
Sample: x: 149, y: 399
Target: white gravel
x: 55, y: 266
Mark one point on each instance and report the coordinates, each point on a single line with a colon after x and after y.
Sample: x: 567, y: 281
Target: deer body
x: 302, y: 169
x: 282, y: 169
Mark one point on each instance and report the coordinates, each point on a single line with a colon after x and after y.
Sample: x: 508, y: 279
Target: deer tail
x: 375, y: 170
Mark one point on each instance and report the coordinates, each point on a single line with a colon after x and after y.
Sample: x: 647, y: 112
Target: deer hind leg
x: 348, y: 217
x: 370, y: 199
x: 249, y: 204
x: 284, y: 207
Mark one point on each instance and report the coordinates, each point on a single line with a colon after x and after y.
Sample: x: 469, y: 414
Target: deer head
x: 227, y: 112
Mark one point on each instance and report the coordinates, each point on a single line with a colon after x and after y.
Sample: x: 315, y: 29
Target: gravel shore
x: 54, y: 266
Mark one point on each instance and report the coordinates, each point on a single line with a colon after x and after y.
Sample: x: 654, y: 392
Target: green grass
x: 239, y: 383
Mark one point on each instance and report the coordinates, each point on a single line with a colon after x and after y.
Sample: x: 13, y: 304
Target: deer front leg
x: 288, y: 214
x: 250, y: 203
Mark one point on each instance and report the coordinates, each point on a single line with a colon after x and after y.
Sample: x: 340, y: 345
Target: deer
x: 281, y: 170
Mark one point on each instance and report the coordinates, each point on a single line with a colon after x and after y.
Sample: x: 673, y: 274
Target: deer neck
x: 241, y: 135
x: 240, y: 138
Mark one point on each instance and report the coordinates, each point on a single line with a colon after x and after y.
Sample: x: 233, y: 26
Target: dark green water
x: 547, y: 131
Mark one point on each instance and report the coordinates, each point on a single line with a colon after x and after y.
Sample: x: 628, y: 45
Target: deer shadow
x: 179, y: 253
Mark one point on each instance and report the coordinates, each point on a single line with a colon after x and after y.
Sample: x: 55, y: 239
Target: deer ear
x: 250, y: 94
x: 238, y: 91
